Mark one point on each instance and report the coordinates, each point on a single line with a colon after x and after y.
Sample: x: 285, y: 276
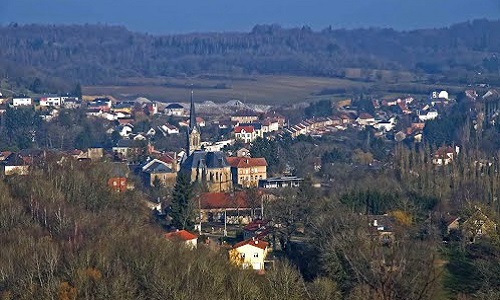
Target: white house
x: 21, y: 101
x: 50, y: 100
x: 245, y: 133
x: 270, y: 126
x: 174, y: 109
x: 169, y: 129
x: 126, y: 130
x: 440, y: 95
x: 445, y: 155
x: 430, y: 115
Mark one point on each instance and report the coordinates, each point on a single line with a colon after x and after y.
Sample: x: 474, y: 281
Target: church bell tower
x: 194, y: 136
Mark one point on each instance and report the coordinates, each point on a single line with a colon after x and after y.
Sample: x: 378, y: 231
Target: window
x: 256, y: 254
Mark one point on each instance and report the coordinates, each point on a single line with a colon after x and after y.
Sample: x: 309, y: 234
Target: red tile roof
x: 248, y: 129
x: 183, y: 235
x: 223, y: 200
x: 255, y: 225
x: 246, y: 162
x: 253, y: 242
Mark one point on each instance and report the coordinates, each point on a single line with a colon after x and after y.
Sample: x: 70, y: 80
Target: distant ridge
x: 97, y: 54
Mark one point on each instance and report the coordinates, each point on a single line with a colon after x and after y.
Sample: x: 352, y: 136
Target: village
x: 231, y: 205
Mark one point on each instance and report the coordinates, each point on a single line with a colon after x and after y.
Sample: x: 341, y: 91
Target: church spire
x: 194, y: 136
x: 192, y: 114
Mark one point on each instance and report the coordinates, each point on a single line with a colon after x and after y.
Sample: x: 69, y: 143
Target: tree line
x: 96, y: 54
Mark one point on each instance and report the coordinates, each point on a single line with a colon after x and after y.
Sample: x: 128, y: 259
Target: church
x: 208, y: 168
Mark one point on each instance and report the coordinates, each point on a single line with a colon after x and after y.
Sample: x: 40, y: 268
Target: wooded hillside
x: 96, y: 53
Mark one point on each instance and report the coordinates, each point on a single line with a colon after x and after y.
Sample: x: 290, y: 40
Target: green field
x: 260, y: 89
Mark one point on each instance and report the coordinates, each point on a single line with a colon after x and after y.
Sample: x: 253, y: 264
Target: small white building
x: 175, y: 109
x: 21, y: 101
x: 426, y: 116
x: 50, y: 100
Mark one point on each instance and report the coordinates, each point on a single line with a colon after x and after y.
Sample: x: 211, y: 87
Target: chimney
x: 256, y: 242
x: 375, y: 223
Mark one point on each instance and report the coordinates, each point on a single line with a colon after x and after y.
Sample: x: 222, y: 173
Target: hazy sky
x: 176, y: 16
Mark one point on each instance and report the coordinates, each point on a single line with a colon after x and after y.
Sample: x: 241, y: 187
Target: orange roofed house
x: 189, y: 239
x: 247, y: 171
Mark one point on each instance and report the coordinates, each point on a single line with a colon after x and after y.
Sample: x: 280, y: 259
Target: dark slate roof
x: 174, y: 106
x: 14, y: 159
x: 158, y: 167
x: 204, y: 159
x: 129, y: 144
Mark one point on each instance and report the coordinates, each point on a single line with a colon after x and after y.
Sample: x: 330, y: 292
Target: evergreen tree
x: 182, y: 209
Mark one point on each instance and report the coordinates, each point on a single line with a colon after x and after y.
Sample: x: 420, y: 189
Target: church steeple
x: 194, y: 136
x: 192, y: 114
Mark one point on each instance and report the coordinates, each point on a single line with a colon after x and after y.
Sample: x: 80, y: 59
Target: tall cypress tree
x: 182, y: 208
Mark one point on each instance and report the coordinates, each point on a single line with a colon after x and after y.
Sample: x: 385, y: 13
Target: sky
x: 183, y: 16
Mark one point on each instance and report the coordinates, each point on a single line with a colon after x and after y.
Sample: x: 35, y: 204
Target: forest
x: 97, y: 54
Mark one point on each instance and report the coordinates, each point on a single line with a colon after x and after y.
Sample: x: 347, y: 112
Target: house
x: 246, y: 134
x: 249, y: 254
x: 22, y: 100
x: 247, y: 171
x: 185, y: 237
x: 273, y: 116
x: 478, y: 225
x: 72, y: 103
x: 50, y: 100
x: 118, y: 180
x: 245, y: 116
x: 270, y: 125
x: 258, y: 229
x: 125, y: 130
x: 15, y: 164
x: 174, y: 109
x: 124, y: 107
x: 440, y: 95
x: 95, y: 153
x: 156, y: 169
x: 445, y: 155
x: 234, y: 208
x: 3, y: 99
x: 243, y: 152
x: 169, y: 129
x: 280, y: 182
x: 381, y: 227
x: 78, y: 154
x: 150, y: 108
x: 208, y: 168
x: 128, y: 148
x: 103, y: 104
x: 365, y: 119
x: 118, y: 184
x: 429, y: 115
x: 200, y: 122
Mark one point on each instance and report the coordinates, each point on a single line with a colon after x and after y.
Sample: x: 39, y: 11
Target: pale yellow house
x: 249, y: 254
x: 247, y: 171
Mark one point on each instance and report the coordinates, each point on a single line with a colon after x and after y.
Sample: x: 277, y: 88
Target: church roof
x: 204, y: 159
